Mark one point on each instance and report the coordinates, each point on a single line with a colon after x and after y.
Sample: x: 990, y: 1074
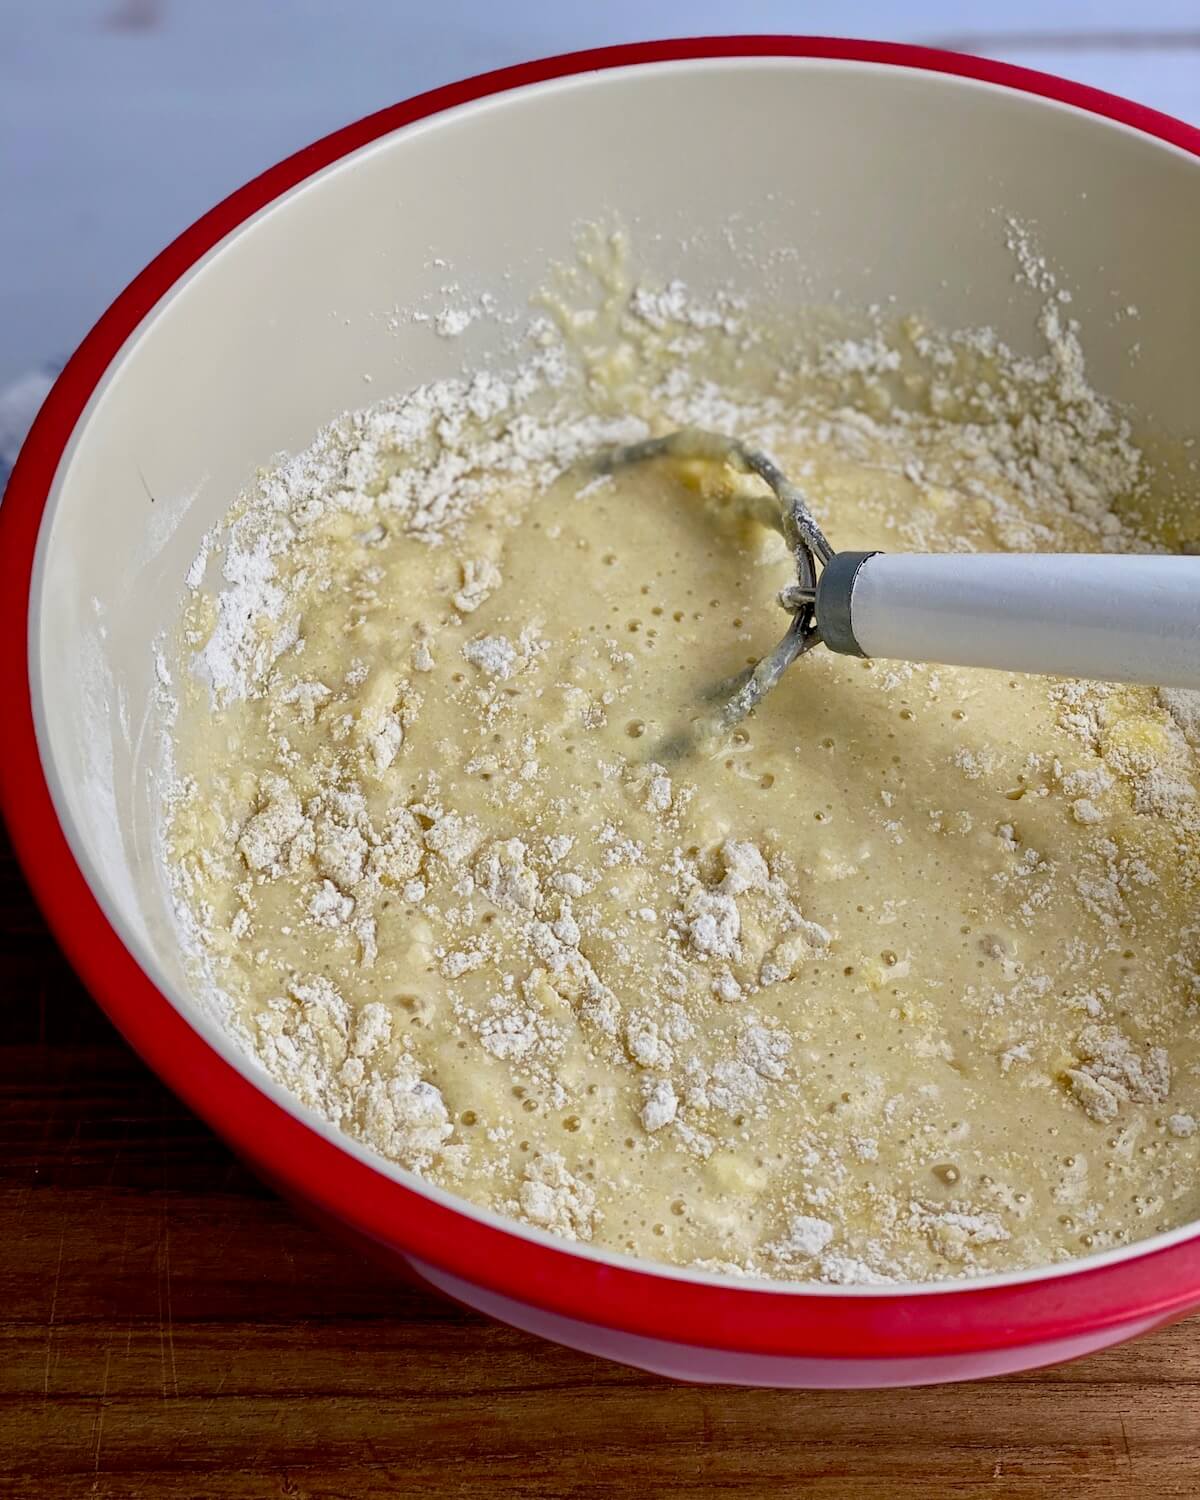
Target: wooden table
x: 167, y: 1328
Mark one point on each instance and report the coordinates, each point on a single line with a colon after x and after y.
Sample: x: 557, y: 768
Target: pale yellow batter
x: 896, y: 982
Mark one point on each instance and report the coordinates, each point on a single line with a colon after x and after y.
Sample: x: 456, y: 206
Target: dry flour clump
x: 1110, y: 1072
x: 345, y: 1066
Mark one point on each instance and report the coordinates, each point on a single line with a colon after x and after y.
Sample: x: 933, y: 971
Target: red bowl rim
x: 615, y: 1293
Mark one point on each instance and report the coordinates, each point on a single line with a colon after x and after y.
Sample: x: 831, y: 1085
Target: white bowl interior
x: 797, y: 181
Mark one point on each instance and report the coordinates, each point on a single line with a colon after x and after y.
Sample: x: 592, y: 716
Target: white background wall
x: 122, y: 120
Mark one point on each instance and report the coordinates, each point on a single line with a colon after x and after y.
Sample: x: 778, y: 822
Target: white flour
x: 419, y: 462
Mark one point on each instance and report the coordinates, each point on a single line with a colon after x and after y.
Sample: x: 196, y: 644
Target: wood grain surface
x: 167, y: 1328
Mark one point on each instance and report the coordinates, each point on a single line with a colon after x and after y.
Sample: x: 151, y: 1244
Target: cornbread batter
x: 897, y: 982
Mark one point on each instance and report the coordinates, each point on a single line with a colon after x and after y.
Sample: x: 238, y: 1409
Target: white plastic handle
x: 1114, y: 618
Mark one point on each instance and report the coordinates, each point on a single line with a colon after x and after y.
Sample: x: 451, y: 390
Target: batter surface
x: 898, y: 981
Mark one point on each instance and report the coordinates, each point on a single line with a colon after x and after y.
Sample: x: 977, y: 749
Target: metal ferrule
x: 835, y: 593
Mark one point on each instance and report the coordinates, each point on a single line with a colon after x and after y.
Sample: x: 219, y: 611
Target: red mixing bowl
x: 865, y: 170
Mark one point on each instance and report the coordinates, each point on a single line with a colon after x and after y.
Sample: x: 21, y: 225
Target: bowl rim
x: 619, y: 1293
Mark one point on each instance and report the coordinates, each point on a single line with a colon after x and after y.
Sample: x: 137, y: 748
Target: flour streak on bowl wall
x: 845, y: 171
